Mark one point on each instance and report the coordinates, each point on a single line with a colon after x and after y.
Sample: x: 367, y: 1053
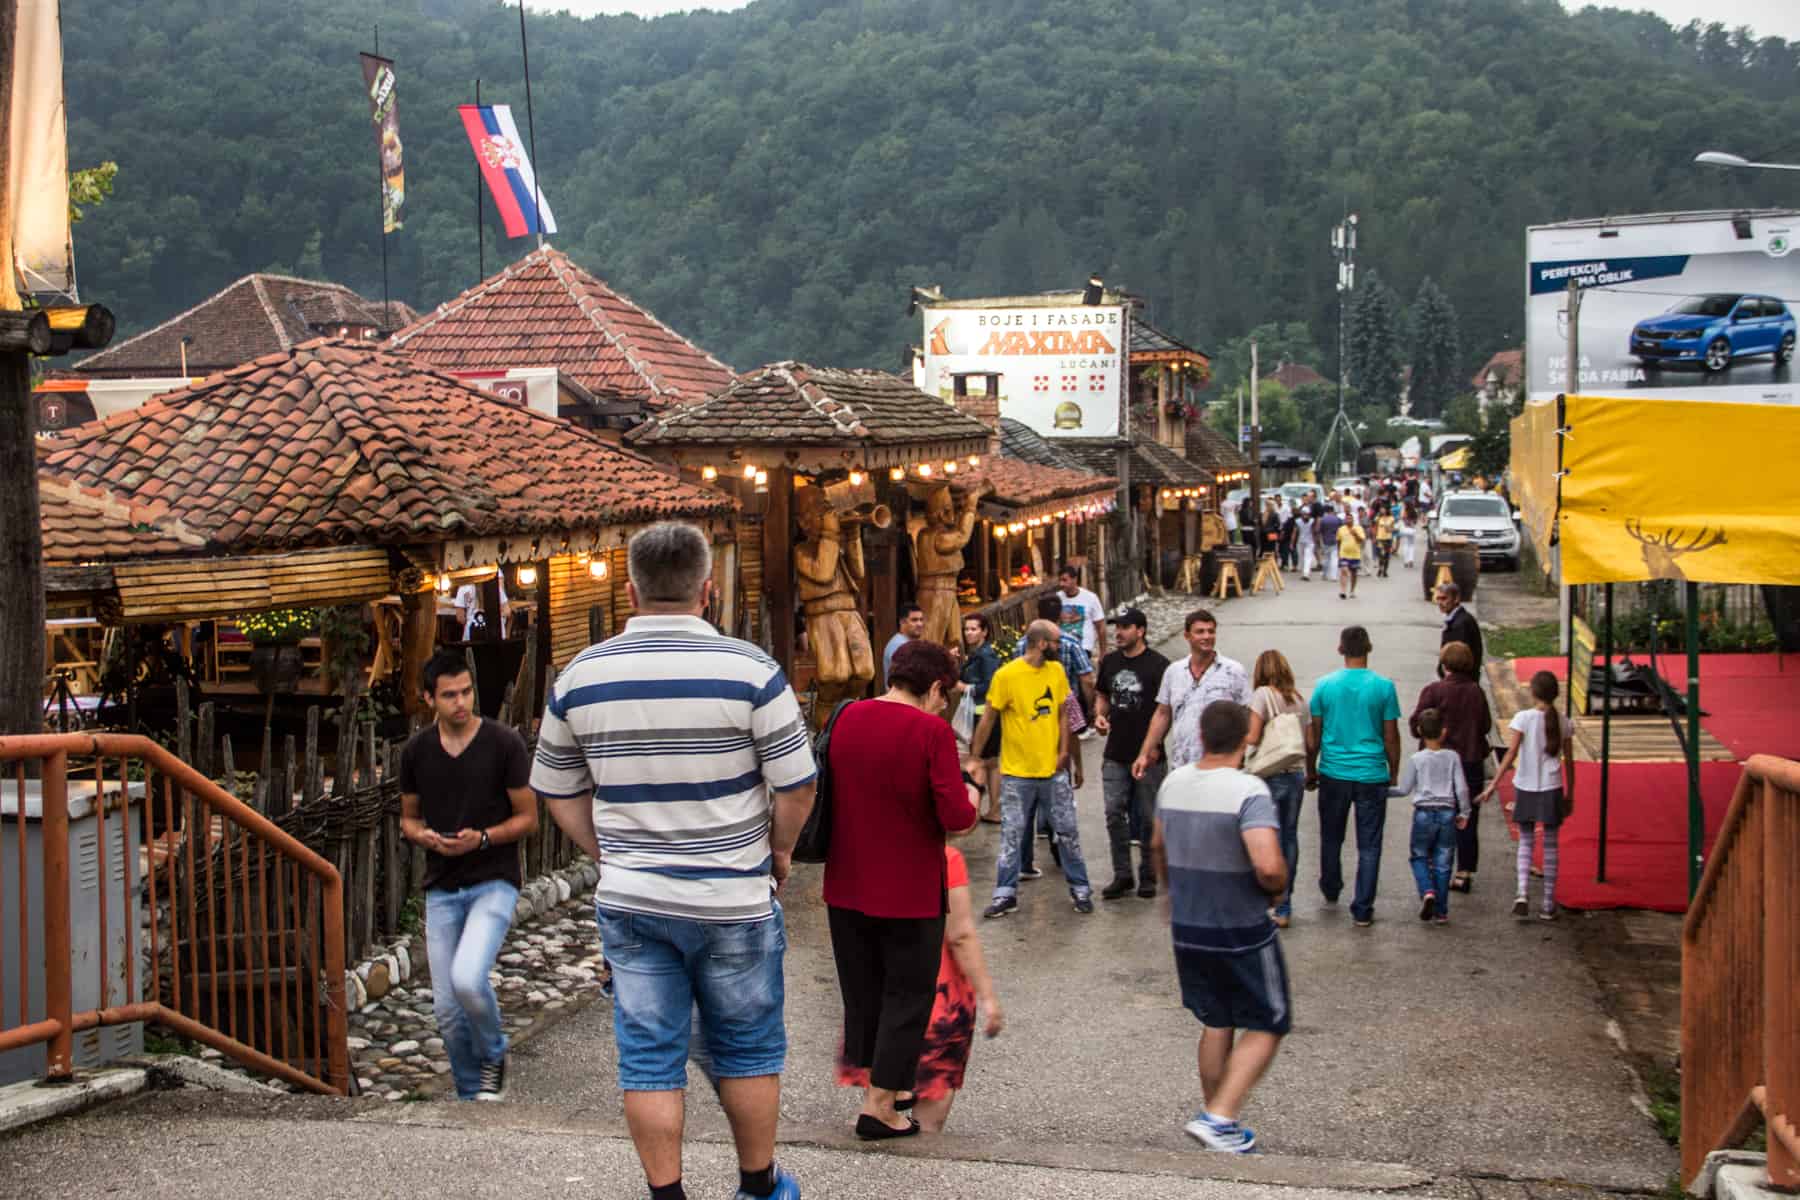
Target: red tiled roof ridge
x: 800, y: 376
x: 581, y: 287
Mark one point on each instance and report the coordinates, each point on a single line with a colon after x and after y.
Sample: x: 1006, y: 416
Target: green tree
x: 1436, y: 351
x: 1290, y: 341
x: 1463, y: 415
x: 1373, y: 343
x: 90, y: 186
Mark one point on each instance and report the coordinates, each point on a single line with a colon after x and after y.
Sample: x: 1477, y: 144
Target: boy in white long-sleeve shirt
x: 1433, y: 777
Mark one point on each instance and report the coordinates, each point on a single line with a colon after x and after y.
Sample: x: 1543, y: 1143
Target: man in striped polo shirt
x: 678, y: 758
x: 1217, y: 848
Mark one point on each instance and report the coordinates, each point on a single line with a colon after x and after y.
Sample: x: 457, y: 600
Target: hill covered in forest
x: 771, y: 181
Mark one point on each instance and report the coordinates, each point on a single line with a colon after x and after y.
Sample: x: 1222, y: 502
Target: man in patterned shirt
x: 1187, y: 688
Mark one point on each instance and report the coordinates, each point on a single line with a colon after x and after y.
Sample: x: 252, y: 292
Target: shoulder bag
x: 1282, y: 749
x: 814, y: 841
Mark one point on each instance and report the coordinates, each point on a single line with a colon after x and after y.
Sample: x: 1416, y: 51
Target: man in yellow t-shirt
x: 1026, y: 697
x: 1350, y: 547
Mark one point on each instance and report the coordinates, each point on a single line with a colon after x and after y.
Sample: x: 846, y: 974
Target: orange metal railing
x: 242, y: 943
x: 1740, y: 979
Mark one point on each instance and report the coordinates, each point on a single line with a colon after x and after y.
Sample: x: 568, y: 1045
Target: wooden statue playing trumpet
x: 828, y: 563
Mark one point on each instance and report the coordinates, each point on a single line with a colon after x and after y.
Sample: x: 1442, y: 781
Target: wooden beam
x: 418, y: 637
x: 778, y: 565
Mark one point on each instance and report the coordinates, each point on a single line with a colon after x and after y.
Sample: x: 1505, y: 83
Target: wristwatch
x: 485, y: 844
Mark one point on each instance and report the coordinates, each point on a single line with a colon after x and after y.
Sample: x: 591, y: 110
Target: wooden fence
x: 351, y: 815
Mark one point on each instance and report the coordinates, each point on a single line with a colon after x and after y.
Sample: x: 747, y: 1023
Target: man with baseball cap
x: 1124, y: 703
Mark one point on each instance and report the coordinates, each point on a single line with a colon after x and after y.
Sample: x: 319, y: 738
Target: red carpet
x: 1753, y: 707
x: 1647, y: 840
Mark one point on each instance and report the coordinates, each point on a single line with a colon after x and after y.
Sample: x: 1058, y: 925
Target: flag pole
x: 480, y: 234
x: 537, y: 199
x: 387, y: 307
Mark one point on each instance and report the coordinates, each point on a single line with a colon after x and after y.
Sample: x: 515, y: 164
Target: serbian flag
x: 500, y: 153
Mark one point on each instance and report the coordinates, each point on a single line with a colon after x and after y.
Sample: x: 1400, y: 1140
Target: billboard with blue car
x: 1685, y: 305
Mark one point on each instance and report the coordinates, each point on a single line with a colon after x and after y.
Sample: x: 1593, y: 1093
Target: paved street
x: 1467, y: 1054
x: 1476, y: 1048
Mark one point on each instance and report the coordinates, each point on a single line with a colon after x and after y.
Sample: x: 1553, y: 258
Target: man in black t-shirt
x: 1124, y: 703
x: 465, y: 797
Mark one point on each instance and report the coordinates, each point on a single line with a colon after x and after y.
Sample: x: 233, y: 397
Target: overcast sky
x: 1769, y: 18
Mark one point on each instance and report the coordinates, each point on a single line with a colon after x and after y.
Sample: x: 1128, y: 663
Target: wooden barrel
x: 1463, y: 560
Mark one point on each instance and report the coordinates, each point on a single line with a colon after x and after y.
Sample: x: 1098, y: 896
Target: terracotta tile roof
x: 1292, y: 375
x: 1213, y: 451
x: 793, y: 404
x: 1018, y: 484
x: 544, y: 311
x: 1151, y: 461
x: 257, y: 315
x: 90, y: 525
x: 1507, y: 367
x: 343, y: 442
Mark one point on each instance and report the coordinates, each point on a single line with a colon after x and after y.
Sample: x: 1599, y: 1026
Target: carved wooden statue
x: 939, y: 559
x: 828, y: 564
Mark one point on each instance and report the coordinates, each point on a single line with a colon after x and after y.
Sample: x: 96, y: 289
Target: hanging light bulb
x: 749, y: 470
x: 950, y: 466
x: 709, y: 473
x: 1000, y: 532
x: 897, y: 474
x: 856, y: 478
x: 762, y: 479
x: 974, y: 460
x: 924, y: 470
x: 599, y: 568
x: 443, y: 585
x: 526, y: 574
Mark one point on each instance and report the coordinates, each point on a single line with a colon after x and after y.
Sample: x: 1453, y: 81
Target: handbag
x: 963, y: 723
x: 1282, y: 749
x: 814, y: 841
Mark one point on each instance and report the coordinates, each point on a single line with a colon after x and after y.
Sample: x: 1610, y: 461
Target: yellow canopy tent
x: 1456, y: 460
x: 1634, y: 489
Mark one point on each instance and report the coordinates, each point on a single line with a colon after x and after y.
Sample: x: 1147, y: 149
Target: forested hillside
x: 771, y: 181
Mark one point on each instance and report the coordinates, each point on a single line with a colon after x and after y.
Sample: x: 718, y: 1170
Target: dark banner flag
x: 384, y: 111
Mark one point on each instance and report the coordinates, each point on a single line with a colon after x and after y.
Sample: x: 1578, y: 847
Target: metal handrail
x: 1740, y: 979
x: 262, y: 915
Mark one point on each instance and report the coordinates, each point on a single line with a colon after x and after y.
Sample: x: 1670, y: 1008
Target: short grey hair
x: 668, y: 562
x: 1450, y: 588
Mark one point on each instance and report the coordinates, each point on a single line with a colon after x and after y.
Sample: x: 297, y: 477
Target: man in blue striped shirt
x: 1217, y: 848
x: 678, y: 758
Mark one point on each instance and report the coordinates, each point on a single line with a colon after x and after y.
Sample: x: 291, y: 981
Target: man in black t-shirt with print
x: 1124, y: 703
x: 465, y: 797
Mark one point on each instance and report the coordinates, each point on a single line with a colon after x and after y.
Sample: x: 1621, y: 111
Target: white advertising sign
x: 1697, y: 306
x: 1059, y: 368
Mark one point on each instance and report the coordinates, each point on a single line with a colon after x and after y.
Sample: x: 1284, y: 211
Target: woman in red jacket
x: 897, y: 792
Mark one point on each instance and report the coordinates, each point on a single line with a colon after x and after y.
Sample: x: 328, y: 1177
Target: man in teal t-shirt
x: 1352, y: 756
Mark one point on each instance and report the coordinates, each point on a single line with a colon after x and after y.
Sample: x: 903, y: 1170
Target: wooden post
x: 534, y: 703
x: 22, y: 647
x: 778, y: 565
x: 1156, y: 540
x: 418, y: 636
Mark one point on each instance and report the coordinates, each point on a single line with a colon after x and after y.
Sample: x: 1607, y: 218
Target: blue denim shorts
x: 668, y: 970
x: 1245, y: 990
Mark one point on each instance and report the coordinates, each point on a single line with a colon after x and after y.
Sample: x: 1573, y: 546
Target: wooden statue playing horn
x: 828, y: 564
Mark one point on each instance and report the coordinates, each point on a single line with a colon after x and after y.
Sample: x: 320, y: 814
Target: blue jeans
x: 1130, y: 809
x: 1433, y: 852
x: 464, y: 930
x: 668, y: 971
x: 1019, y: 797
x: 1287, y: 790
x: 1336, y: 798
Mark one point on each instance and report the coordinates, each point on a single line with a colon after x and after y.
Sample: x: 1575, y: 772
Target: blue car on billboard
x: 1716, y: 330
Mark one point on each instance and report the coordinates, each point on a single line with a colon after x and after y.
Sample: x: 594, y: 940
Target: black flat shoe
x: 872, y: 1129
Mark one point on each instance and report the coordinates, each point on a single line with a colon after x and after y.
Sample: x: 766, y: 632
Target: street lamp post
x: 1720, y: 158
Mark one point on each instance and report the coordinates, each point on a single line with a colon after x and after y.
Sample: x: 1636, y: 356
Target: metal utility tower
x: 1343, y: 248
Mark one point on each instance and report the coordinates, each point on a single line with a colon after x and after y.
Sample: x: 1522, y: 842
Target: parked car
x: 1716, y: 330
x: 1299, y: 493
x: 1485, y: 519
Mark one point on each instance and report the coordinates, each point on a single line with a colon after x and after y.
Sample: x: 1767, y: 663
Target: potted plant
x: 275, y: 646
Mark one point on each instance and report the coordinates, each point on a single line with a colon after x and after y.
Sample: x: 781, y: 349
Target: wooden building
x: 339, y: 472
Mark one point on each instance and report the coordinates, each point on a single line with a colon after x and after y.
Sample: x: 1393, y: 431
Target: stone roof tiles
x: 545, y: 311
x: 794, y: 404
